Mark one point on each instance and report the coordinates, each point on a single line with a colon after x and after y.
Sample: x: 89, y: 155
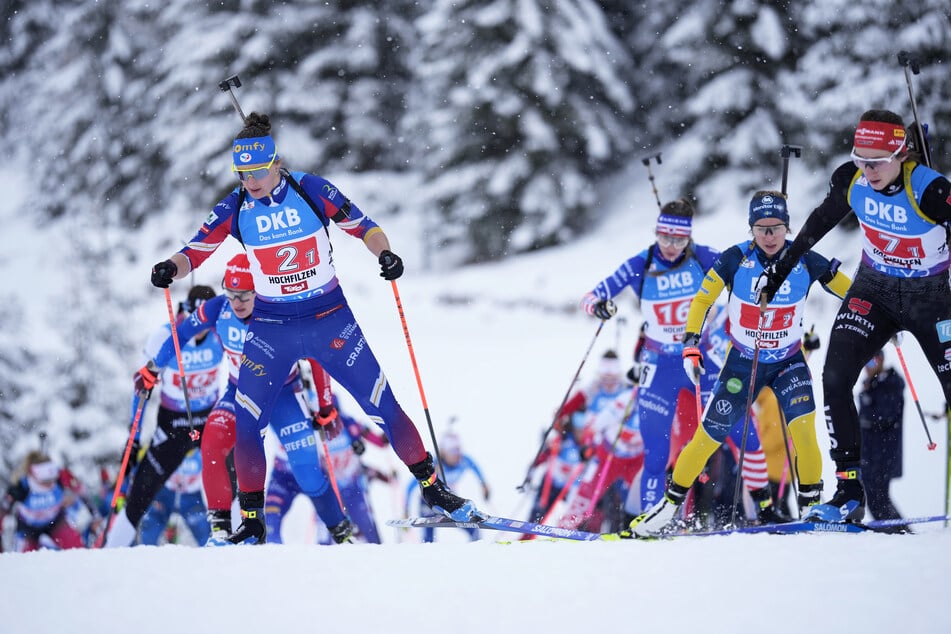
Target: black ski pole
x: 786, y: 152
x: 528, y: 476
x: 912, y: 66
x: 749, y: 405
x: 225, y: 86
x: 650, y: 175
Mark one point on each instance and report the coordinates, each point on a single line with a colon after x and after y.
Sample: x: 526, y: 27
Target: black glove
x: 605, y: 309
x: 770, y: 281
x: 358, y: 446
x: 391, y: 264
x: 634, y: 374
x: 164, y: 273
x: 810, y: 341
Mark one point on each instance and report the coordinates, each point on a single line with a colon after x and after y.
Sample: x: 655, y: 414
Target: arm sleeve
x: 713, y: 284
x: 213, y: 232
x: 936, y: 200
x: 628, y: 274
x: 337, y: 207
x: 823, y: 218
x: 827, y: 273
x: 475, y: 468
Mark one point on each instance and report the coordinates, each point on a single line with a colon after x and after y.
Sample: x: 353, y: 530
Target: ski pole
x: 749, y: 405
x: 225, y: 86
x: 789, y: 466
x: 419, y: 382
x: 330, y: 468
x: 646, y: 161
x: 121, y: 475
x: 572, y: 480
x: 785, y: 152
x: 912, y: 66
x: 947, y: 464
x: 193, y: 433
x: 603, y: 472
x: 549, y: 471
x: 914, y: 393
x: 302, y: 399
x: 528, y: 475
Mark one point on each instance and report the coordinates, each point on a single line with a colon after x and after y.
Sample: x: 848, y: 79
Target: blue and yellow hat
x: 253, y: 153
x: 768, y: 206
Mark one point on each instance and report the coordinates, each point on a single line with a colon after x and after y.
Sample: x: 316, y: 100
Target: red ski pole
x: 121, y: 475
x: 192, y: 432
x: 914, y: 393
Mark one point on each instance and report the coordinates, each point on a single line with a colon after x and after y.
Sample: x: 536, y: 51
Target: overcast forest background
x: 501, y: 118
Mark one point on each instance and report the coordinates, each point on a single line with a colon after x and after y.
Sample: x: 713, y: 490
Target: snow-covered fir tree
x: 521, y: 104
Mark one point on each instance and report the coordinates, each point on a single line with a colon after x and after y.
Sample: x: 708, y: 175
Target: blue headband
x: 253, y: 153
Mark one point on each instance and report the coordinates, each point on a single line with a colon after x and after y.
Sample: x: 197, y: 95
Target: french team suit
x: 300, y: 312
x: 664, y: 291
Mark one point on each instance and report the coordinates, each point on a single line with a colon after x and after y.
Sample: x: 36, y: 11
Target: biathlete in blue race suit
x: 300, y: 311
x: 173, y: 438
x: 664, y: 278
x: 228, y: 315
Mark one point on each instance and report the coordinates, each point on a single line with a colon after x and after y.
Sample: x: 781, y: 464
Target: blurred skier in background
x: 881, y: 412
x: 173, y: 437
x: 40, y: 497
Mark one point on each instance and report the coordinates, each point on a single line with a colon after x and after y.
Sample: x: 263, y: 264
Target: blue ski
x: 875, y: 526
x: 499, y: 524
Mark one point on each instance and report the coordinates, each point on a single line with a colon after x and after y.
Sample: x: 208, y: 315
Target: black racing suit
x: 876, y: 307
x: 171, y: 442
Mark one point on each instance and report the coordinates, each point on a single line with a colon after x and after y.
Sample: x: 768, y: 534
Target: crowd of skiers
x: 637, y: 452
x: 901, y: 284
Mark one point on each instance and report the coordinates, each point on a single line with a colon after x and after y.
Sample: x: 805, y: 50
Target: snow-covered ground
x: 497, y: 345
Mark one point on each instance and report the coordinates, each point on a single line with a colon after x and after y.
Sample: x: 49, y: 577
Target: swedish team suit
x: 781, y: 364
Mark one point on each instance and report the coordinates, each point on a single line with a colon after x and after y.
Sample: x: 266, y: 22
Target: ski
x: 544, y: 530
x: 873, y: 526
x: 499, y: 524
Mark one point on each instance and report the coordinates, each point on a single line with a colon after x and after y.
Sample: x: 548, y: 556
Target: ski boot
x: 808, y: 496
x: 659, y: 518
x: 220, y: 523
x: 252, y: 530
x: 439, y: 497
x: 766, y: 511
x: 848, y: 503
x: 341, y: 532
